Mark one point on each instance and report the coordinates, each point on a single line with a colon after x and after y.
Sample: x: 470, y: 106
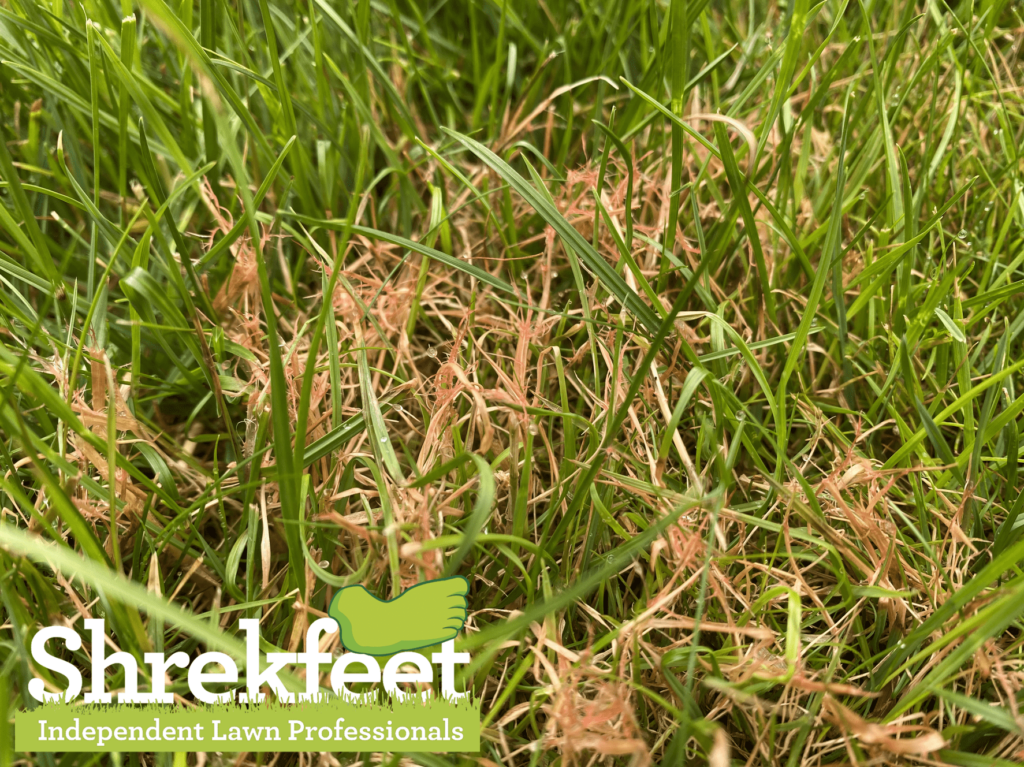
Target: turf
x: 687, y: 332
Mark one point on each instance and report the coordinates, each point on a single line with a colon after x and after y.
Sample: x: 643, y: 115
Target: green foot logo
x: 426, y: 614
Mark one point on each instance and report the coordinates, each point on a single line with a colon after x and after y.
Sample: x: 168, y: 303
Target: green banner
x: 332, y: 725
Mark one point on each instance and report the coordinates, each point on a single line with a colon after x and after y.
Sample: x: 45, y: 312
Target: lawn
x: 688, y: 332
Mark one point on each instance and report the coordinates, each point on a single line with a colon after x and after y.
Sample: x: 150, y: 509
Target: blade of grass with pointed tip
x: 383, y: 448
x: 481, y: 511
x: 606, y: 275
x: 236, y: 231
x: 627, y: 158
x: 739, y: 191
x: 436, y: 255
x: 626, y: 256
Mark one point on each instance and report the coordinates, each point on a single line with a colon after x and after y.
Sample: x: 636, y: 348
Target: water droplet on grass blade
x: 962, y: 233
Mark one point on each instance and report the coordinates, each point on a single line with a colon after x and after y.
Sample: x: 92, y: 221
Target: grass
x: 688, y: 332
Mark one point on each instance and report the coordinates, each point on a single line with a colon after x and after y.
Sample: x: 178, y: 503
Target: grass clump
x: 688, y: 332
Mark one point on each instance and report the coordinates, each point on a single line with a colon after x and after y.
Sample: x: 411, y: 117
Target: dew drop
x: 962, y: 233
x: 431, y: 352
x: 383, y: 439
x: 863, y: 195
x: 325, y: 563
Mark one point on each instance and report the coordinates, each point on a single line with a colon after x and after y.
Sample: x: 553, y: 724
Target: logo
x: 426, y: 614
x: 380, y: 694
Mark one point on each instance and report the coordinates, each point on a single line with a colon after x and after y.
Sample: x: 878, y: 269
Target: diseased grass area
x: 688, y: 332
